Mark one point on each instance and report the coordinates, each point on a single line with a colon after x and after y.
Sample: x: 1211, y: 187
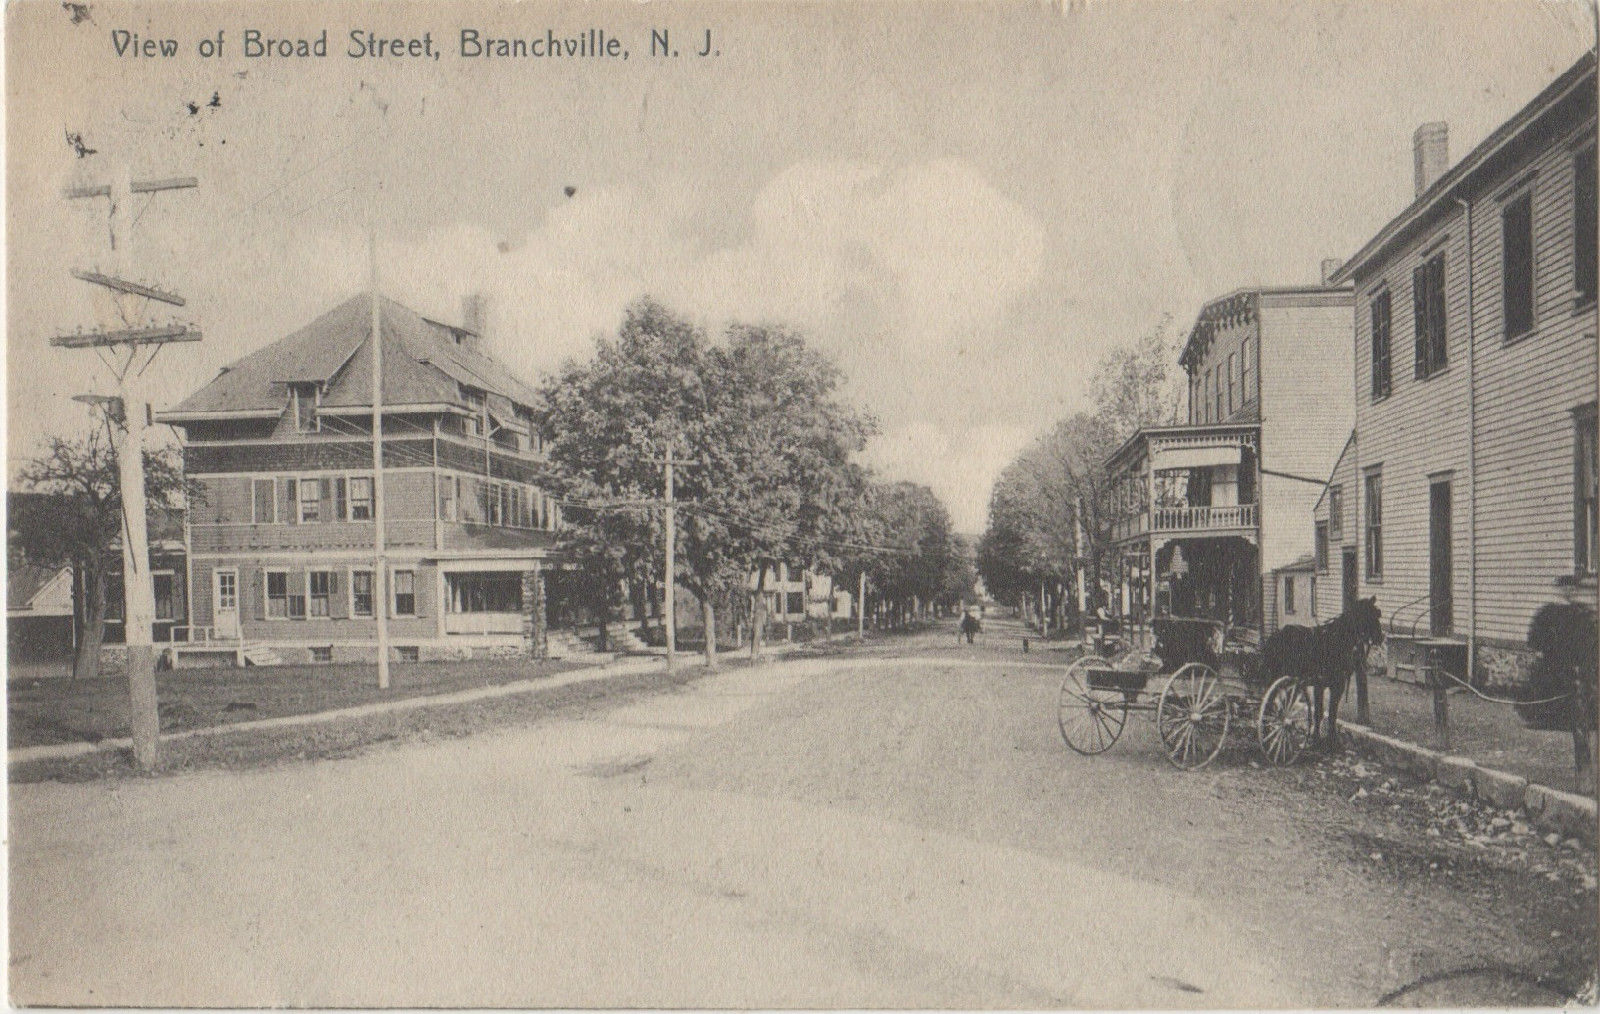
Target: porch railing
x: 1180, y: 519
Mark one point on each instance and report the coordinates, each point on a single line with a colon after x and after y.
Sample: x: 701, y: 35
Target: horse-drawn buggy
x: 1201, y: 682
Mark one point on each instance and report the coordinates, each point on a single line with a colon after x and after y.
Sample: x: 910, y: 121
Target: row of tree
x: 1051, y: 509
x: 764, y: 448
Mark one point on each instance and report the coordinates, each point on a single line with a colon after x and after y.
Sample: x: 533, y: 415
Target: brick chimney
x: 1431, y: 148
x: 475, y: 318
x: 1329, y: 266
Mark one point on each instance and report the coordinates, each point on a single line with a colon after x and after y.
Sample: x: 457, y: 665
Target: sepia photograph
x: 876, y: 504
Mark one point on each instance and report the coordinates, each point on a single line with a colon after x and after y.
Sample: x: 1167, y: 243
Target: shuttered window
x: 1336, y: 512
x: 1427, y: 289
x: 1584, y: 267
x: 405, y: 593
x: 1374, y: 505
x: 361, y: 498
x: 320, y: 592
x: 361, y: 593
x: 265, y: 507
x: 1586, y: 493
x: 1382, y: 346
x: 310, y: 499
x: 1516, y: 264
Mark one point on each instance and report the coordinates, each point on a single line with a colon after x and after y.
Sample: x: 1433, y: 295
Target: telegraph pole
x: 670, y: 544
x: 861, y: 606
x: 380, y: 579
x: 127, y: 347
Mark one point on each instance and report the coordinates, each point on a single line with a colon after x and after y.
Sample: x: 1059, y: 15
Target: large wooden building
x: 1469, y: 489
x: 1208, y: 510
x: 281, y: 544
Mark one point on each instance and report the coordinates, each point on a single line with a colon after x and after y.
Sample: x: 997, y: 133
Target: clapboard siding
x: 1306, y: 413
x: 1330, y: 582
x: 1526, y: 391
x: 1418, y: 431
x: 1519, y: 410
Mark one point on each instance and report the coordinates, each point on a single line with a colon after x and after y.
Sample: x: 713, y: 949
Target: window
x: 1584, y: 267
x: 1233, y: 374
x: 310, y: 499
x: 449, y: 490
x: 264, y: 500
x: 795, y: 603
x: 1516, y: 264
x: 361, y: 593
x: 322, y: 654
x: 277, y: 595
x: 407, y: 653
x: 1382, y: 346
x: 1374, y: 524
x: 164, y: 592
x: 361, y: 498
x: 1247, y: 355
x: 1427, y: 292
x: 1322, y: 547
x: 1335, y: 512
x: 1210, y: 388
x: 303, y: 400
x: 405, y: 593
x: 321, y: 587
x: 1288, y: 593
x: 1586, y: 498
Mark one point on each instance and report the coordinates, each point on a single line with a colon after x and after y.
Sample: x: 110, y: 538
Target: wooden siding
x: 1526, y: 392
x: 1306, y: 414
x: 224, y: 522
x: 1330, y: 582
x: 1524, y: 397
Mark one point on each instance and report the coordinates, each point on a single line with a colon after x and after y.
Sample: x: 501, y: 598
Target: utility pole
x: 380, y: 580
x: 126, y: 347
x: 861, y: 606
x: 670, y: 539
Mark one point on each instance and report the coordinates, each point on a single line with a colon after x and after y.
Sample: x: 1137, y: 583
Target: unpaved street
x: 895, y: 827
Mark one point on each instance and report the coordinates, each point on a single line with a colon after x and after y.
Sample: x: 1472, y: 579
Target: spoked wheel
x: 1192, y: 716
x: 1284, y: 723
x: 1091, y: 720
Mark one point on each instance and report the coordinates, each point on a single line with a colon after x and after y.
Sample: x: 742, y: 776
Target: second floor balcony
x: 1186, y: 480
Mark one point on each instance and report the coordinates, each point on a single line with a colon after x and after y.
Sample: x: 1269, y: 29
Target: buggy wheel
x: 1192, y: 716
x: 1284, y: 723
x: 1090, y: 720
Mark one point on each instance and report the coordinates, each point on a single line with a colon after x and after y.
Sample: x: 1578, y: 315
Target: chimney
x: 1431, y: 147
x: 1329, y: 266
x: 475, y: 319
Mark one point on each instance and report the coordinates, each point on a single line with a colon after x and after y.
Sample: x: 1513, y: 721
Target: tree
x: 79, y: 479
x: 913, y: 528
x: 757, y: 415
x: 1135, y: 384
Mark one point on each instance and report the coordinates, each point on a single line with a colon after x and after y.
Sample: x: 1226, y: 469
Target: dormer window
x: 303, y: 402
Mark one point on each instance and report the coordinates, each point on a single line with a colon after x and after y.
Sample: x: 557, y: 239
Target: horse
x: 1324, y: 657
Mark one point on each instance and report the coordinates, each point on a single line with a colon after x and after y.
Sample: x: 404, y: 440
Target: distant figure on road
x: 970, y: 625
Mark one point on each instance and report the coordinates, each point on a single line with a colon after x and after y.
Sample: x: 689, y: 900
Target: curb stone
x: 1551, y: 809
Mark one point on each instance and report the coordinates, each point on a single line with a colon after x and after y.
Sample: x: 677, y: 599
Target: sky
x: 966, y: 205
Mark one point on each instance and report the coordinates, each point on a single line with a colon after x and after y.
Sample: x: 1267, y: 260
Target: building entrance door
x: 1442, y: 610
x: 225, y: 604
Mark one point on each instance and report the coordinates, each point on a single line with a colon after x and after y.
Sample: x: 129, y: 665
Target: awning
x: 1196, y: 457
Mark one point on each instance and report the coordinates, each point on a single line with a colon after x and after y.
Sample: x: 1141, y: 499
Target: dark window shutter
x: 291, y: 502
x: 423, y: 586
x: 338, y: 596
x: 1516, y: 265
x: 253, y: 584
x: 1584, y: 265
x: 1420, y: 317
x: 1436, y: 320
x: 326, y: 501
x: 341, y: 503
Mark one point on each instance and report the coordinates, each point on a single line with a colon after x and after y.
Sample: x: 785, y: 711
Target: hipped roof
x: 424, y: 363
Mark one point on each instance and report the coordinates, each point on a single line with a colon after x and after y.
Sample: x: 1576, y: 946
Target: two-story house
x: 1207, y: 510
x: 281, y: 546
x: 1469, y: 493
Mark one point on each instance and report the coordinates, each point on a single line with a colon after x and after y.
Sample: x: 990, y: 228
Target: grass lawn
x: 59, y: 710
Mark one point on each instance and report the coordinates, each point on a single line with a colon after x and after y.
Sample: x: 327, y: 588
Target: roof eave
x: 1579, y: 75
